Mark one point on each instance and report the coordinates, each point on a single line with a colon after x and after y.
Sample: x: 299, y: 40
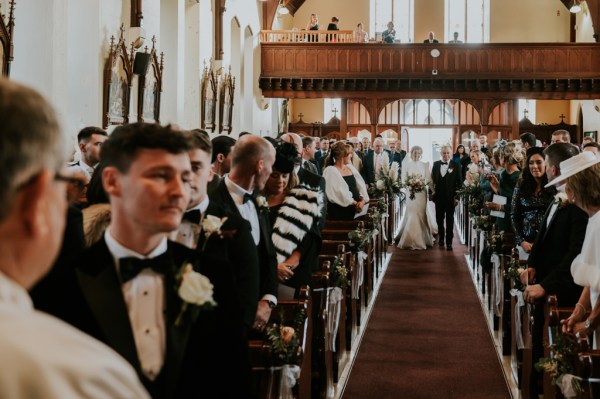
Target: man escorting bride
x: 418, y: 226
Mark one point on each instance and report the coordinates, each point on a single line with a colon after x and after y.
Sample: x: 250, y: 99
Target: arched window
x: 400, y: 12
x: 470, y: 19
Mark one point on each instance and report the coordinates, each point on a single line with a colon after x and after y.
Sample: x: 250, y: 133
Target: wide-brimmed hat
x: 574, y: 165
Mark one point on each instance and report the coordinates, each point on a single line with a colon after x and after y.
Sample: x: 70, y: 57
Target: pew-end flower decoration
x: 196, y: 292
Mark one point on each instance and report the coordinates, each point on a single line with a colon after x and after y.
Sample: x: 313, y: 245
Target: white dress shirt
x: 444, y: 169
x: 554, y: 205
x: 247, y: 209
x: 188, y: 233
x: 44, y: 357
x: 145, y: 299
x: 81, y: 167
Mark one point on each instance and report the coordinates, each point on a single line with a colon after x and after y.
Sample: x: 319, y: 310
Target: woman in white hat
x: 582, y: 175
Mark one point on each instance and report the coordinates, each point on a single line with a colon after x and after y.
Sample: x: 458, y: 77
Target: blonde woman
x: 360, y: 35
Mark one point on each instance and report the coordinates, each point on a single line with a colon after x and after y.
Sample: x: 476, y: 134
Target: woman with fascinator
x: 345, y: 188
x: 531, y: 199
x: 294, y: 211
x: 582, y: 176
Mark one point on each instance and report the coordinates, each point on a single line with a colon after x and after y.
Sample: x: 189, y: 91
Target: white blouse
x: 586, y: 266
x: 337, y: 189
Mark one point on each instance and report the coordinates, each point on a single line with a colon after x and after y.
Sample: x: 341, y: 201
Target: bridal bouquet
x: 415, y: 183
x: 388, y: 181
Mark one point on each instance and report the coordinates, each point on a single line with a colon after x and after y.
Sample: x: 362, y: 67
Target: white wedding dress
x: 418, y: 226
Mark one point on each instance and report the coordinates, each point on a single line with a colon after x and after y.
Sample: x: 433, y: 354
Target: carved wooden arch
x: 488, y: 108
x: 118, y: 73
x: 150, y: 87
x: 382, y: 103
x: 6, y: 39
x: 366, y: 103
x: 226, y: 97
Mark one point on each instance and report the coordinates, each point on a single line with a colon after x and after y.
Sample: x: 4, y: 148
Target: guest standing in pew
x: 531, y: 199
x: 582, y: 174
x: 345, y: 188
x: 558, y: 242
x: 124, y: 290
x: 251, y: 165
x: 236, y: 249
x: 41, y: 356
x: 512, y: 156
x: 294, y: 212
x: 221, y: 159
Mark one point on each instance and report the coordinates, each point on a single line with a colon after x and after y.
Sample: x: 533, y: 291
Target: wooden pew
x: 266, y: 375
x: 322, y: 356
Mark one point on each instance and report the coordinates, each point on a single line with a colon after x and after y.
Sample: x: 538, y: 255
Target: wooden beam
x: 136, y: 13
x: 218, y: 11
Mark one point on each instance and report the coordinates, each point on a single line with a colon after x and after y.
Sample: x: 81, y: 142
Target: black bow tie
x: 192, y: 216
x: 248, y: 197
x: 131, y: 267
x: 444, y: 163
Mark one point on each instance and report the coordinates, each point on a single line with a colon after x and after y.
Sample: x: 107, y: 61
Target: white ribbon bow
x: 361, y: 256
x: 518, y: 328
x: 565, y: 383
x: 497, y: 284
x: 333, y: 317
x: 289, y: 374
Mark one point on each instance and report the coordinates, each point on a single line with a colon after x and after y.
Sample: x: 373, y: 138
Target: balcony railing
x: 308, y: 36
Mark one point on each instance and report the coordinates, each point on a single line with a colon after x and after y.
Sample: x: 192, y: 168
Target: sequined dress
x: 528, y: 212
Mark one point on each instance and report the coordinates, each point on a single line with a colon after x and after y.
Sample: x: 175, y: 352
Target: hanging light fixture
x: 576, y: 7
x: 283, y: 9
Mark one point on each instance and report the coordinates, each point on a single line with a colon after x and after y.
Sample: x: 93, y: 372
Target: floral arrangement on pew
x: 560, y: 365
x: 359, y: 239
x: 415, y: 183
x: 513, y: 272
x: 388, y: 181
x: 375, y: 215
x: 284, y: 345
x: 339, y: 273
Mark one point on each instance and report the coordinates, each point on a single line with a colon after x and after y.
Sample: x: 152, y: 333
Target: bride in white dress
x: 418, y: 226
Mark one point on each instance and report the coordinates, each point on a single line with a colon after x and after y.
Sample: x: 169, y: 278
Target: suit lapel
x: 554, y: 217
x: 101, y: 289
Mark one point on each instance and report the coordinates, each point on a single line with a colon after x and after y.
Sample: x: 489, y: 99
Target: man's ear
x: 260, y: 165
x: 220, y: 158
x: 211, y: 173
x: 82, y: 147
x: 32, y: 204
x: 111, y: 181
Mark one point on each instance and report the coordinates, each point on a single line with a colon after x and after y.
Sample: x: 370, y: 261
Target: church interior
x: 444, y: 322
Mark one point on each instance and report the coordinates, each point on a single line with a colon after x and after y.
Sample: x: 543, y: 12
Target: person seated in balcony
x: 389, y: 35
x: 313, y: 24
x: 333, y: 25
x: 360, y: 35
x: 455, y: 40
x: 431, y: 38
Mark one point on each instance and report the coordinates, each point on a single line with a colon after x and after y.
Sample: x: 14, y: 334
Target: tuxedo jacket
x: 445, y: 187
x: 427, y: 41
x: 368, y: 170
x: 267, y: 260
x: 310, y: 166
x: 239, y: 252
x: 554, y: 249
x: 398, y: 157
x: 88, y: 295
x: 319, y: 159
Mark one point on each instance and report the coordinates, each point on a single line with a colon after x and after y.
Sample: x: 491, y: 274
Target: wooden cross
x: 562, y: 118
x: 335, y: 111
x: 300, y: 115
x: 526, y: 112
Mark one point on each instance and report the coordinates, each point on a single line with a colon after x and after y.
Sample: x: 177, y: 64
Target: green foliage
x: 284, y: 339
x: 339, y: 273
x: 359, y: 240
x: 514, y: 273
x: 561, y: 359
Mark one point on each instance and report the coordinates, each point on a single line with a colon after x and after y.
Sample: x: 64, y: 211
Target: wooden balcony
x: 300, y: 69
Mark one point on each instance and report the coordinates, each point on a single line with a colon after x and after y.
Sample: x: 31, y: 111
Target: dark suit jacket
x: 554, y: 249
x: 238, y: 251
x: 368, y: 170
x: 312, y: 167
x: 88, y: 295
x: 319, y: 159
x: 267, y: 260
x: 445, y: 187
x: 398, y: 157
x: 427, y: 41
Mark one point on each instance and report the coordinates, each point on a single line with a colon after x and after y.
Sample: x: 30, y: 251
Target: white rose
x: 561, y: 197
x: 212, y: 224
x: 195, y: 288
x: 262, y: 202
x: 380, y: 185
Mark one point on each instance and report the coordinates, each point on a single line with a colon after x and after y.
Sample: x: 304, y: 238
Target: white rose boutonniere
x: 212, y: 225
x: 194, y: 289
x: 561, y: 199
x: 262, y: 203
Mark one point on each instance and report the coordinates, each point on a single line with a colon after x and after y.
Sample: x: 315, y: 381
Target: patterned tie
x: 192, y: 216
x: 131, y: 267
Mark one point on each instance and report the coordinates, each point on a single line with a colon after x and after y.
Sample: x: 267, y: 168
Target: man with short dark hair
x: 308, y: 155
x: 528, y: 139
x: 42, y: 357
x: 549, y: 264
x: 125, y: 290
x: 220, y: 160
x: 593, y: 147
x: 322, y: 154
x: 455, y: 40
x: 90, y: 141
